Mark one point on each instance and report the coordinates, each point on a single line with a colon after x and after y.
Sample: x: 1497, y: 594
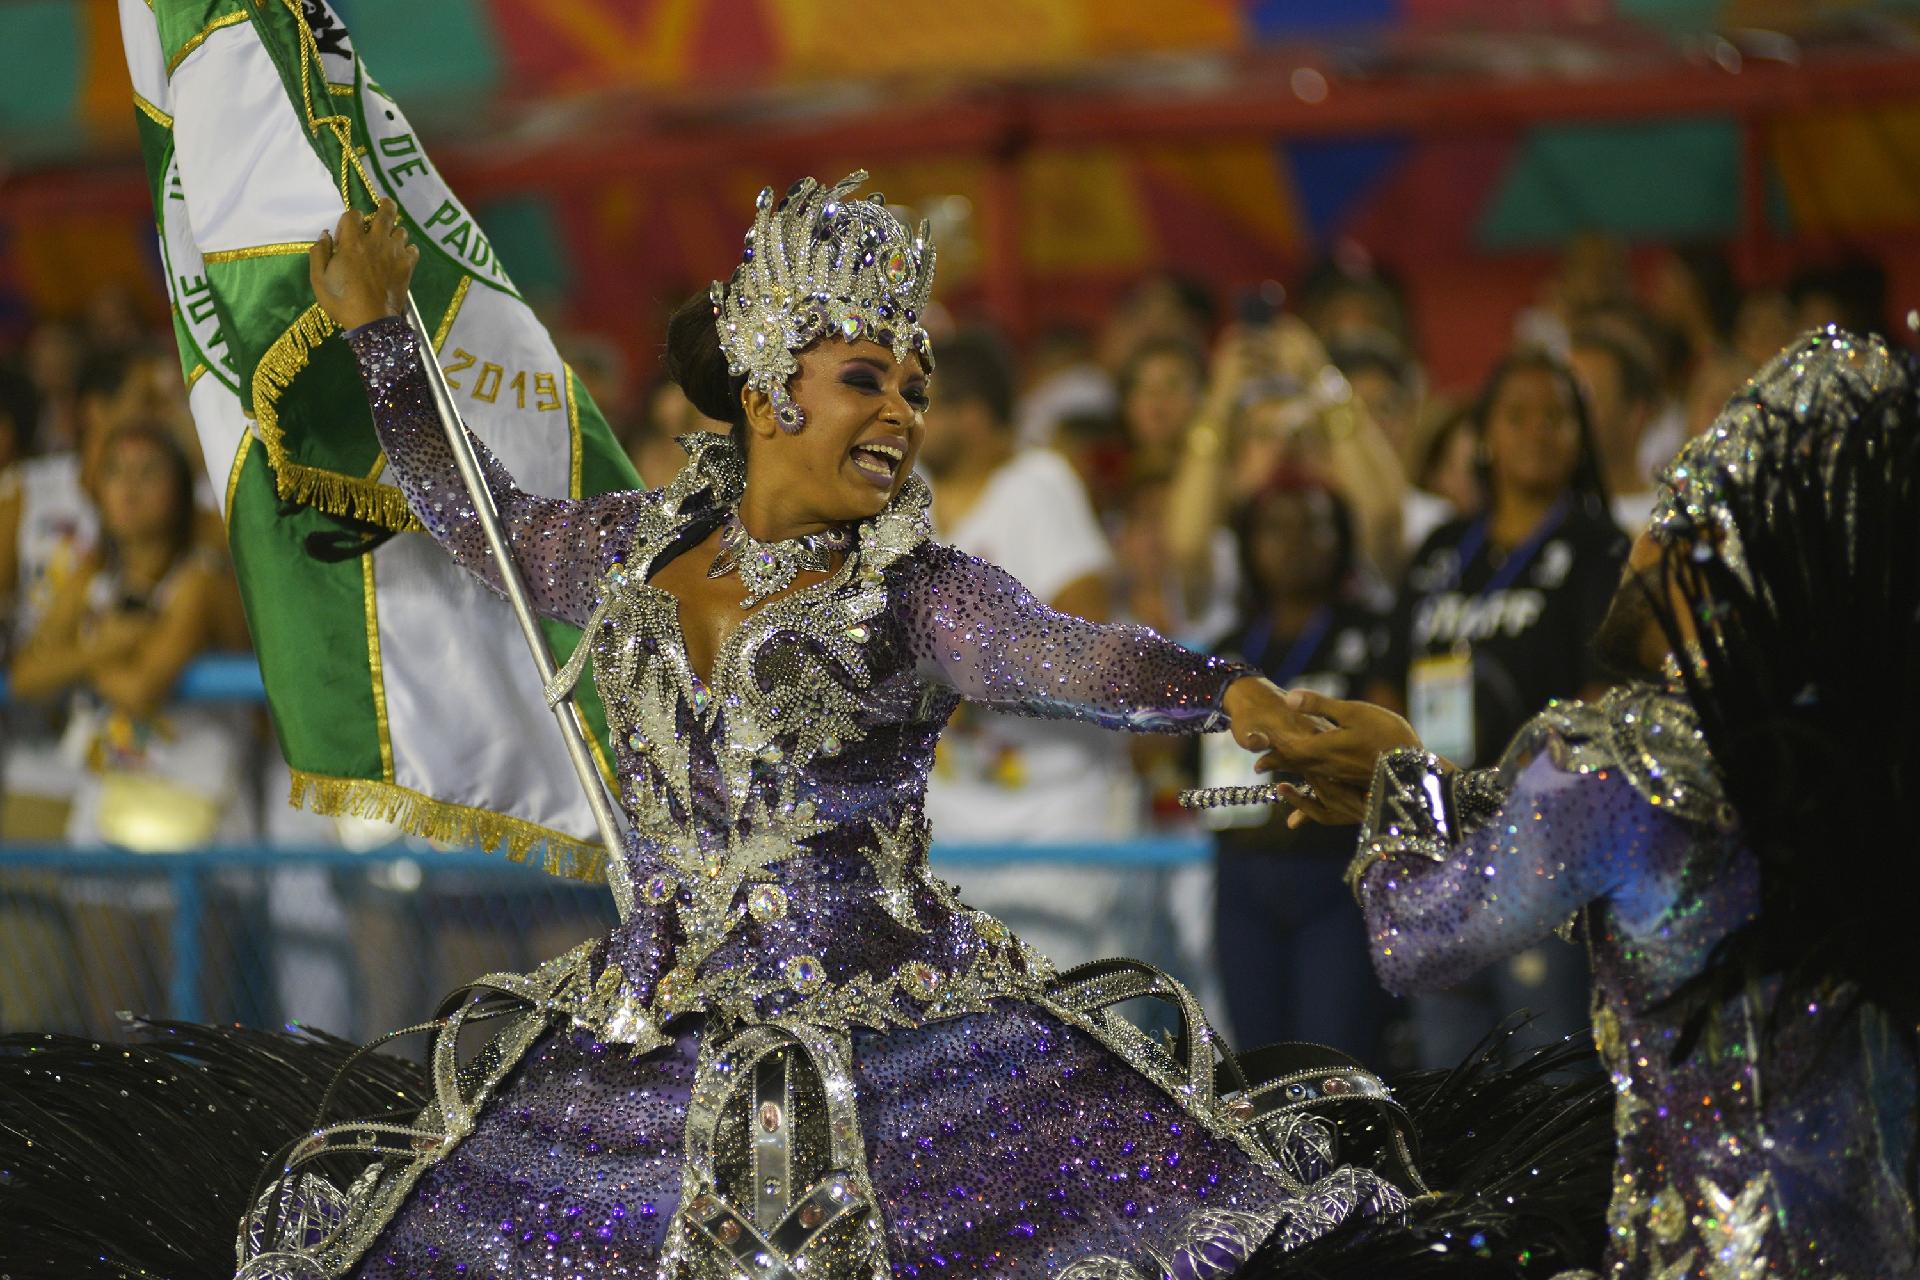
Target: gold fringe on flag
x: 446, y: 823
x: 333, y: 492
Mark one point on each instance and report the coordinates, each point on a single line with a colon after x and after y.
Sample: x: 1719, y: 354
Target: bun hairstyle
x: 694, y: 361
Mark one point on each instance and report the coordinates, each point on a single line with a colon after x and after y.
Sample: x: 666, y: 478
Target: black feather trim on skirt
x: 1520, y: 1157
x: 138, y: 1159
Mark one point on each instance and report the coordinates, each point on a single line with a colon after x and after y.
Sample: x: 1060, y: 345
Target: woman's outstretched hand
x: 1338, y: 762
x: 1261, y: 717
x: 1329, y: 804
x: 361, y: 270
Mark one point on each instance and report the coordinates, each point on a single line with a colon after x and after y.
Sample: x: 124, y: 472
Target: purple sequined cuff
x: 380, y: 344
x: 1231, y: 670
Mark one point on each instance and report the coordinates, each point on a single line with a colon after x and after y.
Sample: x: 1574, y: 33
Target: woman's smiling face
x: 865, y: 421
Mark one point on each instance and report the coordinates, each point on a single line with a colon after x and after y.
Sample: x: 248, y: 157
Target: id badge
x: 1225, y: 763
x: 1440, y: 705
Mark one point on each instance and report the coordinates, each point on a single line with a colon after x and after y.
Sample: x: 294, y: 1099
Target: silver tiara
x: 1817, y: 383
x: 818, y: 262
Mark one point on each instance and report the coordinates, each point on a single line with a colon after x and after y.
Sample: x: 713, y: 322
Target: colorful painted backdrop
x: 612, y: 146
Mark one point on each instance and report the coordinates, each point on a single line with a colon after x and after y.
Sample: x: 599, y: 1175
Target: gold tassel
x: 452, y: 824
x: 332, y: 492
x: 343, y: 495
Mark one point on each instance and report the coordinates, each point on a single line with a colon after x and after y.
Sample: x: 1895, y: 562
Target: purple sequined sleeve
x: 1442, y: 903
x: 976, y: 630
x: 562, y: 545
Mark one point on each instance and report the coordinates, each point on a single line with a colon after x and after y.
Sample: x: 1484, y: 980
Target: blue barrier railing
x: 217, y: 677
x: 1150, y: 851
x: 235, y: 677
x: 186, y: 874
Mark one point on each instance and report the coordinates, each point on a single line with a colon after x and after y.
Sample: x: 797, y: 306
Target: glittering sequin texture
x: 798, y: 1053
x: 1821, y: 369
x: 1732, y: 1164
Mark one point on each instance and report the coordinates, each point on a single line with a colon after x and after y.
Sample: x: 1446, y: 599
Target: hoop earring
x: 787, y: 415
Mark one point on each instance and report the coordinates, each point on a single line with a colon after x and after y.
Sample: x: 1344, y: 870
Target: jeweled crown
x: 818, y: 261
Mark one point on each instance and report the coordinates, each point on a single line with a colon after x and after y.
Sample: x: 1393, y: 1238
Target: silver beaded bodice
x: 739, y: 1078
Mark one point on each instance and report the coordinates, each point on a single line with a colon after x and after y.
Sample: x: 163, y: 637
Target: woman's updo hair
x: 695, y: 362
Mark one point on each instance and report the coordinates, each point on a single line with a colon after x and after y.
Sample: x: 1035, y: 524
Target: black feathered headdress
x: 1795, y: 528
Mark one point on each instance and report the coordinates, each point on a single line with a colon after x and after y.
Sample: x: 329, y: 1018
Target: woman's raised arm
x: 562, y: 545
x: 360, y: 275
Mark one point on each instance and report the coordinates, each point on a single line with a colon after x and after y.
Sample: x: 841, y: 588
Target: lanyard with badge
x: 1440, y: 686
x: 1223, y: 763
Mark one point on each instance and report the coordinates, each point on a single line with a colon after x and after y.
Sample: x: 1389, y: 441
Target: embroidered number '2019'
x: 492, y: 379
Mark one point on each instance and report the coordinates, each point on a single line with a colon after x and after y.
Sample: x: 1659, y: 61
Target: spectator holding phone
x: 1274, y: 398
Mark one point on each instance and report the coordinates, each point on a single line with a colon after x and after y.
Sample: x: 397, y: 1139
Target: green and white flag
x: 401, y: 688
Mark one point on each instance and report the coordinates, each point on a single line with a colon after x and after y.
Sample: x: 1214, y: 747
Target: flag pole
x: 571, y: 730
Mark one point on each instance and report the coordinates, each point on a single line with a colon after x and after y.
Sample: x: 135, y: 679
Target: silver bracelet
x: 1227, y: 797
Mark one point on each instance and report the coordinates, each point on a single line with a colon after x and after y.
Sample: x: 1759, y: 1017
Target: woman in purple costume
x: 798, y: 1054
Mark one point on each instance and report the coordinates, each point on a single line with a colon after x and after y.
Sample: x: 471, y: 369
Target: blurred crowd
x: 113, y: 579
x: 1267, y: 475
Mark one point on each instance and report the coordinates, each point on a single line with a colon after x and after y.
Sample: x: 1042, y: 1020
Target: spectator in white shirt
x: 1065, y: 381
x: 1006, y: 778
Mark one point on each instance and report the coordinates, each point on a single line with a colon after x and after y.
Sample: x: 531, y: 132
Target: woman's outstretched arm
x: 1450, y: 884
x: 977, y: 631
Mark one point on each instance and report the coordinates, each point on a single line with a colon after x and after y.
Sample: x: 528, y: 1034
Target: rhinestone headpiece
x: 819, y: 262
x: 1807, y: 393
